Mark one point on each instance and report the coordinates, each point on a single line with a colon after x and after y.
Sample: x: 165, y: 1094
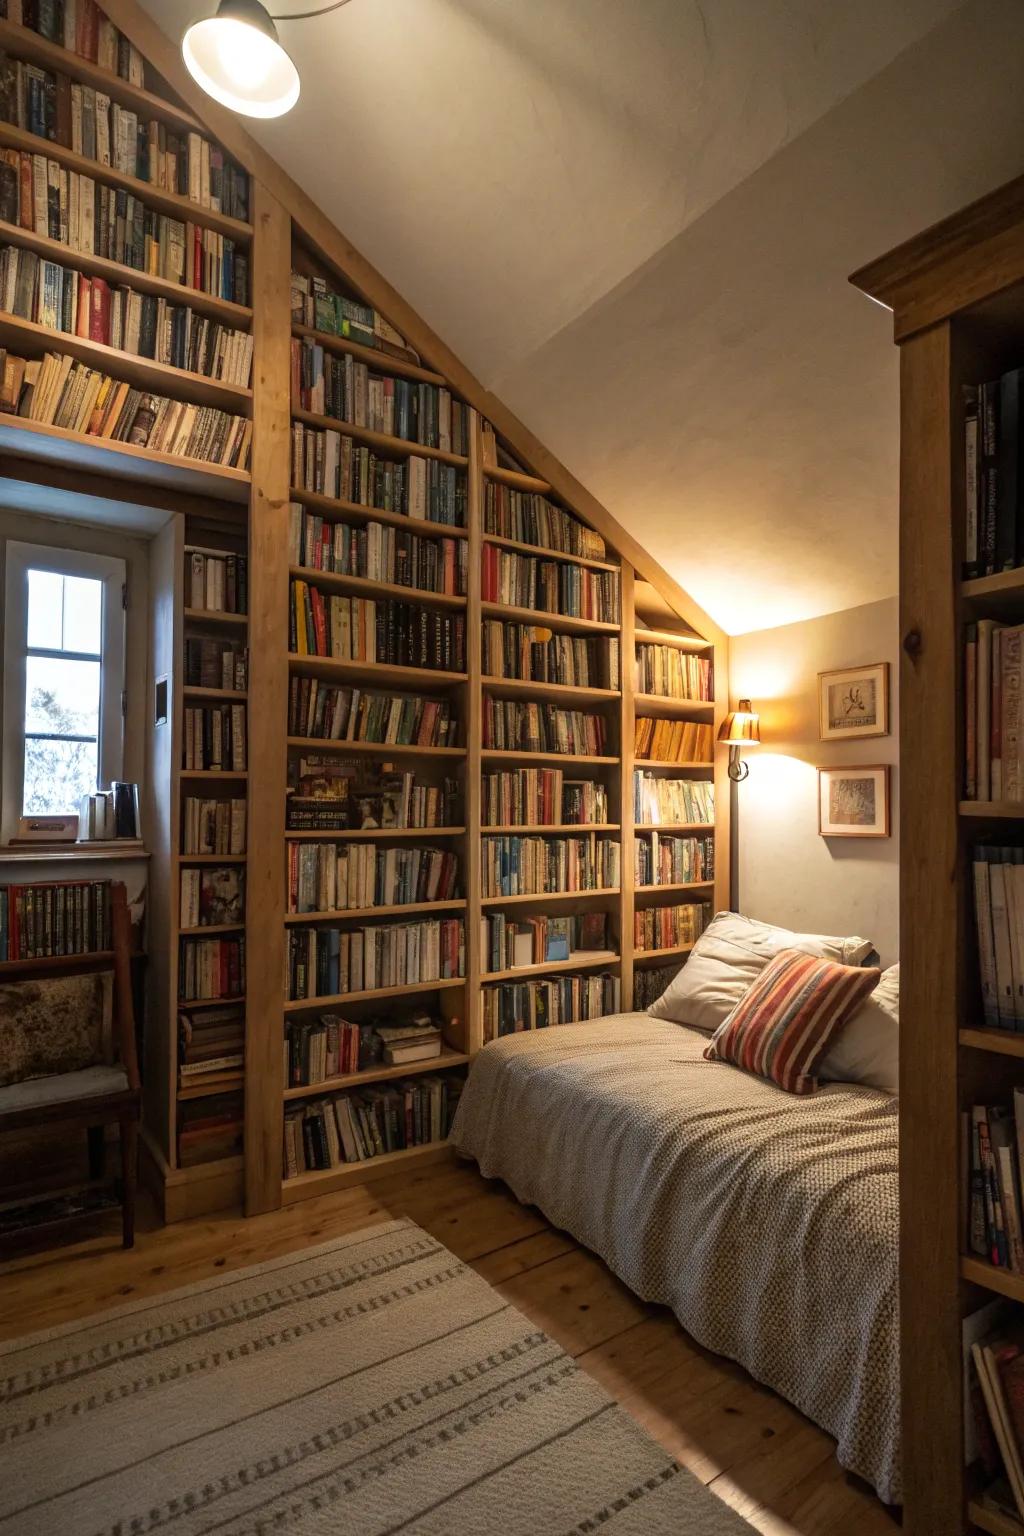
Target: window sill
x: 73, y: 853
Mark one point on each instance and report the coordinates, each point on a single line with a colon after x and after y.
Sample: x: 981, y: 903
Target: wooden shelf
x: 211, y: 858
x: 340, y: 999
x: 71, y: 853
x: 549, y: 554
x: 361, y: 586
x: 337, y: 510
x: 992, y: 1520
x: 559, y: 896
x: 25, y: 337
x: 570, y: 829
x: 672, y: 829
x: 204, y: 1087
x: 655, y: 890
x: 542, y: 618
x: 214, y: 616
x: 371, y: 748
x: 661, y: 762
x: 568, y: 693
x: 380, y: 361
x: 118, y: 274
x: 517, y: 479
x: 373, y: 834
x: 325, y: 1181
x: 210, y: 930
x: 641, y: 956
x: 188, y: 1003
x: 81, y: 452
x: 398, y: 447
x: 558, y: 759
x: 993, y: 810
x: 370, y: 674
x: 382, y: 1074
x: 1001, y: 584
x: 656, y: 706
x: 214, y: 775
x: 174, y: 204
x: 576, y: 962
x: 350, y: 914
x: 214, y: 695
x: 668, y: 637
x: 979, y: 1272
x: 1004, y: 1042
x: 98, y: 959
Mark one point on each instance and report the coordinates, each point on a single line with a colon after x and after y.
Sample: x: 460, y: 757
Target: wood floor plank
x: 576, y: 1299
x: 525, y: 1254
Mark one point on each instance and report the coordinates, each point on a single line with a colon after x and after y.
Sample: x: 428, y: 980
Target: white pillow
x: 728, y: 957
x: 867, y: 1048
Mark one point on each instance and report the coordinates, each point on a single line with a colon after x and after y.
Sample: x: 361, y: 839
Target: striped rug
x: 370, y: 1386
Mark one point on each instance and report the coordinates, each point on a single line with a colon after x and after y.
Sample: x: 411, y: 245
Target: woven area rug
x: 369, y: 1386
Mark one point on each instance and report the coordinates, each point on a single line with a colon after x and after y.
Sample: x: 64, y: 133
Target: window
x: 64, y: 680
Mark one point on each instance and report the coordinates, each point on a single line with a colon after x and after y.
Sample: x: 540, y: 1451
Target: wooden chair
x: 95, y: 1096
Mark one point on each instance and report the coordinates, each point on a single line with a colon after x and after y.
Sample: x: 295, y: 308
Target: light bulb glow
x: 241, y: 66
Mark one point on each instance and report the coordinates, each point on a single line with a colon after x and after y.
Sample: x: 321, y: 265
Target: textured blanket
x: 370, y: 1386
x: 767, y: 1222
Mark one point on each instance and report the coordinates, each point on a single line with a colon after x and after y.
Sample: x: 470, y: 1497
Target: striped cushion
x: 785, y: 1023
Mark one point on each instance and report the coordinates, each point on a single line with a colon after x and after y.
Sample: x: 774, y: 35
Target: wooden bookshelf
x: 957, y: 296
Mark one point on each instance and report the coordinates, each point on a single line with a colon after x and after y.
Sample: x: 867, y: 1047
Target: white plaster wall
x: 787, y: 873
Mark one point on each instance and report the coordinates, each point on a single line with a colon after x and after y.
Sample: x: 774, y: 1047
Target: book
x: 552, y: 586
x: 669, y: 927
x: 376, y: 552
x: 511, y: 1006
x: 364, y: 629
x: 516, y: 726
x: 47, y: 918
x: 530, y: 518
x: 341, y: 386
x: 536, y: 654
x: 514, y: 865
x: 328, y: 962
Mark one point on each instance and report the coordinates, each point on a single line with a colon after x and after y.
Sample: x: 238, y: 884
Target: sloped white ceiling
x: 634, y: 220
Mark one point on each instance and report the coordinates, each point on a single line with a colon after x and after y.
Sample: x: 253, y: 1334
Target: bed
x: 767, y: 1222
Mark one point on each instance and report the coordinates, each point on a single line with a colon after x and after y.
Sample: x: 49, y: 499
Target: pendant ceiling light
x: 237, y: 58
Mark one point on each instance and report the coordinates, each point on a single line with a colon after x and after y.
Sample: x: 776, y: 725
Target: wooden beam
x: 268, y: 702
x: 332, y: 246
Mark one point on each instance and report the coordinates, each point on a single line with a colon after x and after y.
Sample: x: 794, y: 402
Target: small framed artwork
x: 854, y: 702
x: 854, y: 802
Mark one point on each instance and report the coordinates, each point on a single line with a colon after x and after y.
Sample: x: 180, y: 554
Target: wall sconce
x: 740, y: 728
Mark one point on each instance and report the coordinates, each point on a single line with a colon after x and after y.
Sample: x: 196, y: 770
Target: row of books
x: 210, y: 1128
x: 316, y: 304
x: 993, y: 486
x: 539, y: 655
x: 537, y: 797
x: 376, y: 552
x: 532, y: 866
x: 340, y: 387
x: 524, y: 581
x: 64, y: 299
x: 82, y: 28
x: 673, y: 741
x: 211, y: 1044
x: 672, y: 673
x: 324, y: 962
x: 669, y: 927
x: 211, y: 897
x: 649, y: 982
x: 995, y: 1219
x: 363, y: 629
x: 213, y: 826
x: 214, y: 738
x: 326, y: 793
x: 357, y: 1127
x: 659, y: 801
x: 993, y: 719
x: 508, y: 942
x: 61, y: 392
x: 216, y: 581
x: 532, y: 519
x: 325, y: 712
x: 53, y: 106
x: 998, y: 875
x: 511, y: 1006
x: 330, y: 1046
x: 63, y: 917
x: 512, y: 725
x: 211, y: 968
x: 87, y: 216
x: 216, y: 664
x: 326, y: 877
x: 664, y: 860
x: 328, y: 463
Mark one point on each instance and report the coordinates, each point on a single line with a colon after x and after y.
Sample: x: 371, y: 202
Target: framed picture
x: 854, y: 702
x: 854, y: 802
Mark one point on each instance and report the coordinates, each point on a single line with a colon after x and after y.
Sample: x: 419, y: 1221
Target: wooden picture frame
x: 863, y: 810
x: 853, y: 702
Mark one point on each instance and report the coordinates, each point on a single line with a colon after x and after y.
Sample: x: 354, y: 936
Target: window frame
x: 113, y: 573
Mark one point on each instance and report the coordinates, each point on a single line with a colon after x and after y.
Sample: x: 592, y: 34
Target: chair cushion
x: 52, y: 1024
x: 65, y: 1088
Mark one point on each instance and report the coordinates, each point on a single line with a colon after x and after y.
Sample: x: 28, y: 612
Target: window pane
x: 45, y: 609
x: 57, y: 775
x: 83, y: 614
x: 62, y: 698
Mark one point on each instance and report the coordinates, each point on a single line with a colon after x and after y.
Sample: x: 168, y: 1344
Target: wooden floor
x: 753, y: 1449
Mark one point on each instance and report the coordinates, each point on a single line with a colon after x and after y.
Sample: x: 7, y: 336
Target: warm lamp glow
x: 236, y: 57
x: 740, y: 728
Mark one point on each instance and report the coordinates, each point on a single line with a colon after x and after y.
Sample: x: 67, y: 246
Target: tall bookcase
x: 248, y: 508
x: 957, y: 294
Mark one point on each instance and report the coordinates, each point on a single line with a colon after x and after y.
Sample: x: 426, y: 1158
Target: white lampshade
x: 237, y: 59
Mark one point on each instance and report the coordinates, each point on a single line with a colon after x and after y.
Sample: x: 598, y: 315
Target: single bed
x: 767, y: 1222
